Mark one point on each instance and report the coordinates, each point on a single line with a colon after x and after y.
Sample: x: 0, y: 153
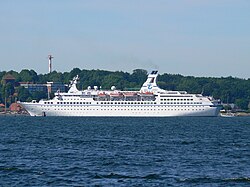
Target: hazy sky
x: 189, y: 37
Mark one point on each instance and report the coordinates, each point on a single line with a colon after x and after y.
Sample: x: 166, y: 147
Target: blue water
x: 67, y: 151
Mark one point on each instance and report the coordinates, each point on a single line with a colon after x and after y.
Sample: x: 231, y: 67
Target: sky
x: 205, y: 38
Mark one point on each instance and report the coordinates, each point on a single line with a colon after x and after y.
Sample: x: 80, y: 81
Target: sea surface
x: 81, y: 151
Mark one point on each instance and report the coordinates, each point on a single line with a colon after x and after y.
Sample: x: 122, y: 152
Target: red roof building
x: 15, y: 107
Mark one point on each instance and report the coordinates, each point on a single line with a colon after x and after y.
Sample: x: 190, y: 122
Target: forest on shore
x: 227, y: 89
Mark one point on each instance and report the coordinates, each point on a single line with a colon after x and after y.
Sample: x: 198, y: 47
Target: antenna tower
x: 50, y: 63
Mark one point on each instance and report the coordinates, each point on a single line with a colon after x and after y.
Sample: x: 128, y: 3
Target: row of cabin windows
x: 77, y: 103
x: 136, y: 106
x: 127, y: 103
x: 195, y: 103
x: 176, y: 99
x: 67, y: 103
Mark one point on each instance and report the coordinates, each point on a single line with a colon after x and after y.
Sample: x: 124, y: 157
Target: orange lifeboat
x: 115, y: 95
x: 102, y: 95
x: 146, y: 94
x: 130, y: 94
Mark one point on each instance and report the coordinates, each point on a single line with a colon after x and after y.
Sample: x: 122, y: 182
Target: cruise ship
x: 149, y: 101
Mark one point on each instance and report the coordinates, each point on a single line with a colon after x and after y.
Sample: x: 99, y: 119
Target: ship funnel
x: 150, y: 84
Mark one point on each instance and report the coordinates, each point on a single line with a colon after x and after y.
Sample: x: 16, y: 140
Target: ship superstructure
x: 149, y: 101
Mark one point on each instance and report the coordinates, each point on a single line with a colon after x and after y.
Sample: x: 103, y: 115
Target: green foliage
x: 23, y: 94
x: 7, y: 90
x: 28, y: 76
x: 38, y: 95
x: 1, y: 95
x: 242, y: 103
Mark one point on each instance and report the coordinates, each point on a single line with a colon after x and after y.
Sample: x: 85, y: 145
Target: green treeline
x: 228, y: 89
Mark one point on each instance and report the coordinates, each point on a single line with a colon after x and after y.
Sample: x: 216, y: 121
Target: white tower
x: 50, y: 63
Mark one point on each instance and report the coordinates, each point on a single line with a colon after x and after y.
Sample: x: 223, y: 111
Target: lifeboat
x: 146, y: 94
x: 102, y: 95
x: 115, y: 95
x: 129, y: 94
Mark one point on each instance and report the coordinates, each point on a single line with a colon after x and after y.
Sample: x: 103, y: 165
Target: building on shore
x: 31, y: 87
x: 15, y: 107
x: 53, y: 87
x: 50, y: 87
x: 8, y: 78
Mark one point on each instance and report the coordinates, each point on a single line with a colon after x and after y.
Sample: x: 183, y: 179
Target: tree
x: 28, y: 76
x: 7, y: 92
x: 55, y: 77
x: 242, y: 103
x: 1, y: 96
x: 39, y: 95
x: 23, y: 94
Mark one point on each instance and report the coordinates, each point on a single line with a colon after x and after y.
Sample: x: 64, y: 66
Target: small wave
x: 240, y: 179
x: 113, y: 176
x: 187, y: 142
x: 120, y: 176
x: 197, y: 180
x: 215, y: 180
x: 8, y: 168
x: 152, y: 176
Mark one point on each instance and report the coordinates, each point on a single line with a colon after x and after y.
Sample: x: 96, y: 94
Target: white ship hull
x: 37, y: 109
